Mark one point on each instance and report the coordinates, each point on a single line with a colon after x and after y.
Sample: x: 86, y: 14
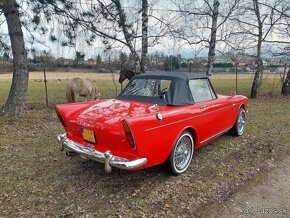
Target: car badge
x: 159, y: 116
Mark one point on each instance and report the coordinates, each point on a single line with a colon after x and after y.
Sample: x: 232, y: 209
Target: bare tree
x: 18, y: 91
x: 255, y: 23
x: 284, y: 30
x: 259, y: 61
x: 143, y: 64
x: 111, y: 20
x: 204, y: 23
x: 129, y: 37
x: 212, y: 43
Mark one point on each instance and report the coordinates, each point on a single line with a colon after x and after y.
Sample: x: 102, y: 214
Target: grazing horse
x: 78, y: 87
x: 126, y: 74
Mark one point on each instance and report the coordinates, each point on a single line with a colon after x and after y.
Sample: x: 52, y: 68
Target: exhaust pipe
x: 71, y: 153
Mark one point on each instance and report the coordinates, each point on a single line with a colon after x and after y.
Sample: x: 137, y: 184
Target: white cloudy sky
x: 161, y: 9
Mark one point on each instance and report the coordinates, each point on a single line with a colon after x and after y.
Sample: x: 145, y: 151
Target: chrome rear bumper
x: 107, y: 158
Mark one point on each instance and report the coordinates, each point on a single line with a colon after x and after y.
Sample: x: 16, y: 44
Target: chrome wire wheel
x: 240, y: 125
x: 241, y: 122
x: 181, y: 154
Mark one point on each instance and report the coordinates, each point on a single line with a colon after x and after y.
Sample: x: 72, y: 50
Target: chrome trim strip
x: 179, y: 121
x: 215, y: 135
x: 107, y: 158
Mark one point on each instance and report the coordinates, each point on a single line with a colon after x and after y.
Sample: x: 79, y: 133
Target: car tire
x: 240, y: 125
x: 181, y: 154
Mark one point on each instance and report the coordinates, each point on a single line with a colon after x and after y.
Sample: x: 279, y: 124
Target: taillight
x: 129, y: 134
x: 60, y: 117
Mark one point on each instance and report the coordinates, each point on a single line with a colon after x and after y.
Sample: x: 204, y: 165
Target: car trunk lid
x: 104, y: 119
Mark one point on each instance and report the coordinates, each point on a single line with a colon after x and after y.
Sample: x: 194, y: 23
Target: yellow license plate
x: 88, y: 135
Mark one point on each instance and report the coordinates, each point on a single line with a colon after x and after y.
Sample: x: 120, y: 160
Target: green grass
x: 268, y: 87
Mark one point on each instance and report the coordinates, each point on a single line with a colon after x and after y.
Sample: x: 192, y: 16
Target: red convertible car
x: 160, y: 117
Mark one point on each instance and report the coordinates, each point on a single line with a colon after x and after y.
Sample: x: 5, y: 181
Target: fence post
x: 45, y: 85
x: 237, y: 63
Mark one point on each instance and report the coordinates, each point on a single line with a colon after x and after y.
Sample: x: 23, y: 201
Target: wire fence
x: 49, y: 88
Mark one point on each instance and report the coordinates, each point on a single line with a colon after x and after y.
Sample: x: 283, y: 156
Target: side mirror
x: 233, y: 93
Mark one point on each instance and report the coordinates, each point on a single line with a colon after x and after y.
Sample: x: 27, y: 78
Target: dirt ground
x: 38, y: 180
x: 265, y: 196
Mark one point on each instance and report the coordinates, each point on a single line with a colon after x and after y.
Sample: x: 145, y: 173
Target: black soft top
x: 178, y: 93
x: 171, y: 75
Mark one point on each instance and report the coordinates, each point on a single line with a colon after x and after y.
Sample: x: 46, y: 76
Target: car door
x: 213, y: 117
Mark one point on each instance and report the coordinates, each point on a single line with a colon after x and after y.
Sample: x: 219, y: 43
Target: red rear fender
x: 73, y: 109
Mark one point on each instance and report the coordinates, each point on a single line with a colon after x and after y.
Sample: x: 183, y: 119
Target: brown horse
x: 126, y: 74
x: 84, y: 88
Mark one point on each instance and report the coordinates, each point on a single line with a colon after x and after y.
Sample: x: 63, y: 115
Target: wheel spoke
x: 178, y: 157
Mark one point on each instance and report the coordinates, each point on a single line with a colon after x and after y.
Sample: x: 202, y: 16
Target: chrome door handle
x: 203, y: 107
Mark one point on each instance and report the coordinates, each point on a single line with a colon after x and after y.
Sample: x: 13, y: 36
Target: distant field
x: 65, y: 75
x: 111, y: 88
x: 109, y: 76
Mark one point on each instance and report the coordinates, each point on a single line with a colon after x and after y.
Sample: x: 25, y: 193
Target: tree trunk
x: 258, y: 78
x: 286, y: 85
x: 128, y: 36
x: 259, y: 71
x: 211, y: 51
x: 143, y: 64
x: 18, y: 91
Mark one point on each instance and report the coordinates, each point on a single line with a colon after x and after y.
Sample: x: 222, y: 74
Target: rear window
x: 201, y: 90
x: 147, y: 88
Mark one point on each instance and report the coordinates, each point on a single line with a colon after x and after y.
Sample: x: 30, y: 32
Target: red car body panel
x: 154, y: 138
